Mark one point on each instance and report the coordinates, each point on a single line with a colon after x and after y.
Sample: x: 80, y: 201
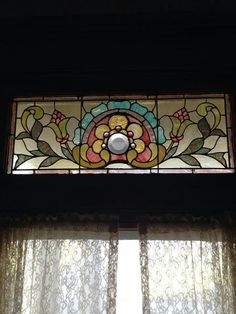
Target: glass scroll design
x: 123, y: 134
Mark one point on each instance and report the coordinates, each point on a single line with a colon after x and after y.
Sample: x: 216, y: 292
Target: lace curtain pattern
x: 188, y: 266
x: 58, y: 268
x: 47, y: 266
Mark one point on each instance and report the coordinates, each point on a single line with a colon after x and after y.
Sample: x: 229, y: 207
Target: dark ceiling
x: 79, y: 7
x: 117, y: 45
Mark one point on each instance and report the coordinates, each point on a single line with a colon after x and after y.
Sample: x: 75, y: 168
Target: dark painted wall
x: 152, y: 52
x: 78, y: 7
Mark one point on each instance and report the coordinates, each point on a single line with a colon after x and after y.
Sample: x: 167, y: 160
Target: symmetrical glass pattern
x: 121, y: 134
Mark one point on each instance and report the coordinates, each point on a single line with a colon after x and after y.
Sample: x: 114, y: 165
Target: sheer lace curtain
x: 188, y: 265
x: 59, y: 268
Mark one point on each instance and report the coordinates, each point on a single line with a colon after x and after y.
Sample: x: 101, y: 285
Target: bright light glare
x: 129, y: 296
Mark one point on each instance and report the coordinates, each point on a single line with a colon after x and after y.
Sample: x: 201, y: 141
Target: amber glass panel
x: 121, y: 134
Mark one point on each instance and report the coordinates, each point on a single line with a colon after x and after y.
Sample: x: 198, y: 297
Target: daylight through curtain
x: 188, y: 265
x: 59, y: 268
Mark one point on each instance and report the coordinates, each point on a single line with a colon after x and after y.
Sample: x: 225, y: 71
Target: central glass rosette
x: 120, y: 135
x: 118, y: 144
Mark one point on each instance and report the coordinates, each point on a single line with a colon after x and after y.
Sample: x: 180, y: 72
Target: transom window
x: 121, y: 134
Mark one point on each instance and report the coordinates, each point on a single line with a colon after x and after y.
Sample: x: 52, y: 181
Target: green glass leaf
x: 203, y: 151
x: 37, y: 114
x: 176, y: 125
x: 46, y: 149
x: 49, y: 161
x: 204, y: 127
x: 21, y: 159
x: 62, y: 126
x: 183, y: 127
x: 171, y: 152
x: 36, y: 153
x: 23, y: 135
x: 24, y: 119
x: 67, y: 154
x: 36, y: 130
x: 219, y: 157
x: 194, y: 146
x: 189, y: 160
x: 218, y: 132
x: 205, y: 107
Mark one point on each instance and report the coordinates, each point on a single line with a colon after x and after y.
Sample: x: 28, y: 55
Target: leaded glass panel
x: 121, y: 134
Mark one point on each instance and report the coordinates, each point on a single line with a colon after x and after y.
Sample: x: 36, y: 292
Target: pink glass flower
x: 57, y: 117
x: 180, y: 121
x: 58, y: 124
x: 181, y: 114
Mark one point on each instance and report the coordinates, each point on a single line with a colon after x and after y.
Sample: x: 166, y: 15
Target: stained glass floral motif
x: 152, y: 134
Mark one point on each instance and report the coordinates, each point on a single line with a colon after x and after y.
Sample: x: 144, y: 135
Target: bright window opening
x: 129, y: 296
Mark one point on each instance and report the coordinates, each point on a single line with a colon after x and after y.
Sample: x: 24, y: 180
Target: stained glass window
x: 121, y: 134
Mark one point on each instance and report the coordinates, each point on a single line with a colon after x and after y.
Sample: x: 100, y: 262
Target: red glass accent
x: 176, y: 138
x: 118, y: 157
x: 150, y: 131
x: 93, y: 157
x: 104, y: 120
x: 145, y: 155
x: 92, y: 138
x: 145, y: 137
